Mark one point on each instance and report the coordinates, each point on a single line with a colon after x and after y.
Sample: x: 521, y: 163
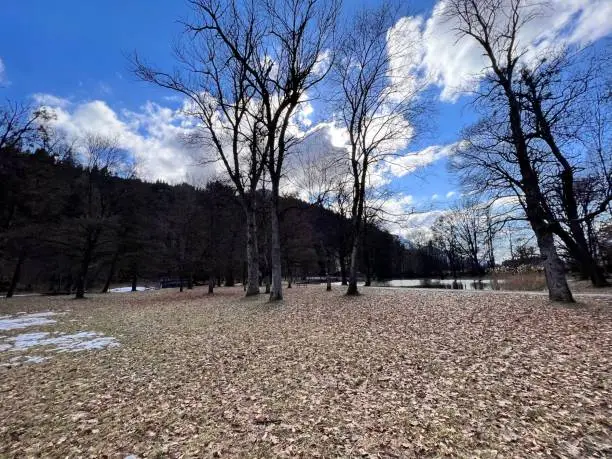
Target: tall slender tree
x: 220, y: 96
x: 376, y: 105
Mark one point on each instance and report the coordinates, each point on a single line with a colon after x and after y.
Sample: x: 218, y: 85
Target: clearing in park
x: 388, y: 374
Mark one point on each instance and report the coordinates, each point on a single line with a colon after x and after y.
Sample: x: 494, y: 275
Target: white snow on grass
x: 128, y: 289
x: 53, y: 341
x: 26, y: 320
x: 16, y: 361
x: 35, y: 359
x: 26, y: 340
x: 81, y: 341
x: 29, y: 359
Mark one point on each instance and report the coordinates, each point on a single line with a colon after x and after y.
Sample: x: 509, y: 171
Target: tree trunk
x: 85, y: 261
x: 594, y: 272
x: 352, y: 284
x: 16, y: 275
x: 558, y: 290
x: 535, y: 203
x: 229, y: 278
x: 276, y: 293
x: 111, y: 273
x: 342, y: 257
x: 211, y: 286
x: 181, y: 283
x: 190, y: 281
x: 252, y: 254
x: 357, y: 221
x: 368, y: 281
x: 328, y: 276
x: 579, y: 250
x: 134, y: 282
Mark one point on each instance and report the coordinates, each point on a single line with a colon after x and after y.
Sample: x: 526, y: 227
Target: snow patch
x: 29, y: 359
x: 80, y: 341
x: 128, y: 289
x: 26, y: 320
x: 54, y: 341
x: 15, y: 361
x: 35, y: 359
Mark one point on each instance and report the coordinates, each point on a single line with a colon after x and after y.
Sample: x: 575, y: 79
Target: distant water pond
x: 459, y: 284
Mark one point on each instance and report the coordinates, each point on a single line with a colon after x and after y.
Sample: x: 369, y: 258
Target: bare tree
x: 214, y: 79
x: 552, y: 94
x: 499, y: 153
x: 274, y: 51
x: 21, y: 126
x: 470, y: 229
x: 102, y: 156
x: 291, y: 63
x: 376, y: 106
x: 445, y: 237
x: 323, y: 178
x: 492, y: 227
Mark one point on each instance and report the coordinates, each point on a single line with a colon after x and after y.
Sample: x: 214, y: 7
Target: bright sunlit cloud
x: 455, y: 65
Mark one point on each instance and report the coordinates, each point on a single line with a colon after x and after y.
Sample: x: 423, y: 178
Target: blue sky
x: 71, y: 55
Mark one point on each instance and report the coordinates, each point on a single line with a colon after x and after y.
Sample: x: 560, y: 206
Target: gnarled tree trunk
x: 558, y: 290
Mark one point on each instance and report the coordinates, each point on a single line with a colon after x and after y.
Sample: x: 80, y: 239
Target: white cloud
x: 594, y: 21
x: 50, y: 100
x: 456, y: 65
x: 323, y: 62
x: 397, y: 210
x: 399, y: 205
x: 410, y: 162
x: 303, y: 112
x: 417, y: 225
x: 314, y: 163
x: 154, y: 136
x: 450, y: 194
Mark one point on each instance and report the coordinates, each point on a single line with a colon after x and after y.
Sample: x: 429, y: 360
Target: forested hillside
x: 68, y: 226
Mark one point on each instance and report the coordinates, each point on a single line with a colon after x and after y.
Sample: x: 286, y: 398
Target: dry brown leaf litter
x: 388, y: 374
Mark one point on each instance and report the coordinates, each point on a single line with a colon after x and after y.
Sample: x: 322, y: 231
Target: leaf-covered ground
x: 393, y: 373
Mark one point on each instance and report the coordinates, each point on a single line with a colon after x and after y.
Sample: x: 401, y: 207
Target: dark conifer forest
x: 69, y: 227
